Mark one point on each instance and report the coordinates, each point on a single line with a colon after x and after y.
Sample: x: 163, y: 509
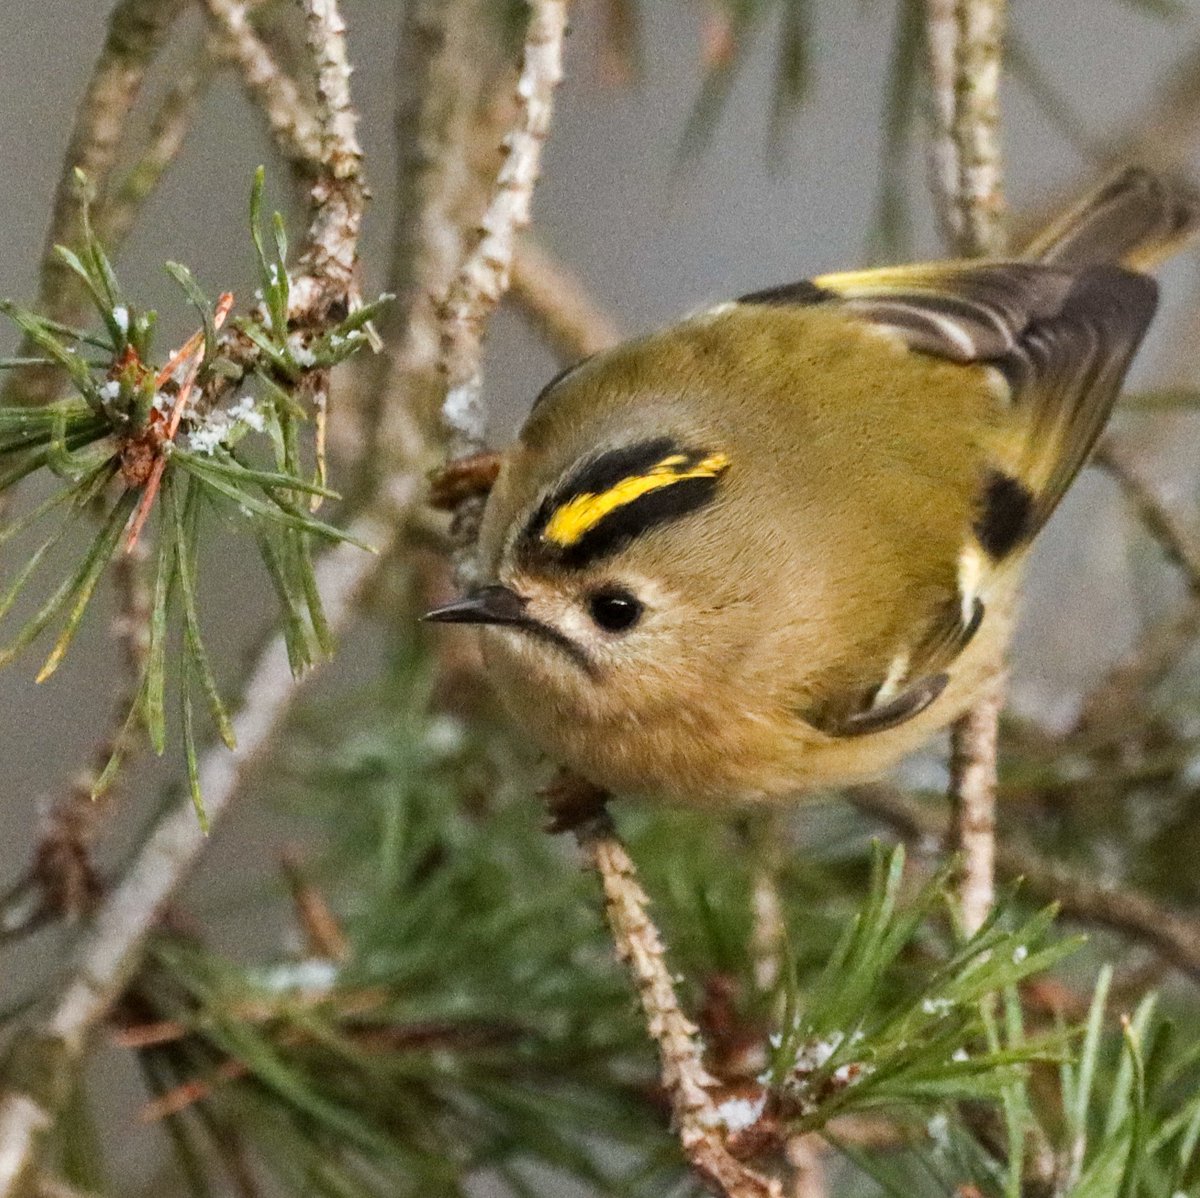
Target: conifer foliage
x: 783, y: 1003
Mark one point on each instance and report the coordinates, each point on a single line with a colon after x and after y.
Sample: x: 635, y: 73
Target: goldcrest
x: 776, y: 546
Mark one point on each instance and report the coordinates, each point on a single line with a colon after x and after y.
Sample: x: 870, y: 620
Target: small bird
x: 776, y: 546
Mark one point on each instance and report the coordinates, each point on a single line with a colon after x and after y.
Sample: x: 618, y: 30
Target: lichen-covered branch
x: 292, y: 123
x: 964, y: 43
x: 964, y: 59
x: 941, y: 47
x: 339, y: 191
x: 973, y: 746
x: 483, y: 278
x: 978, y: 66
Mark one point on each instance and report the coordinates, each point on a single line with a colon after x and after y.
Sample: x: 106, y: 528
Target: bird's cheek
x: 519, y: 663
x: 505, y: 650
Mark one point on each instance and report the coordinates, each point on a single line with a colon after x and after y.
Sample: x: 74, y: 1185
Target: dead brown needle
x: 192, y: 349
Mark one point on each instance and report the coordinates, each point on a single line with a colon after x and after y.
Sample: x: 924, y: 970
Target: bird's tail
x: 1136, y: 218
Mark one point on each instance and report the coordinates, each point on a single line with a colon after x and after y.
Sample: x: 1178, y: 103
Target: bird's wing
x: 1060, y: 340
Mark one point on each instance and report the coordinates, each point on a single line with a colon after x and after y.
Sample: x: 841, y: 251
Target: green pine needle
x: 198, y: 663
x: 93, y: 566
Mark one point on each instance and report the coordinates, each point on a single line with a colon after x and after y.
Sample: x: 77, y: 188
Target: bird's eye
x: 614, y: 610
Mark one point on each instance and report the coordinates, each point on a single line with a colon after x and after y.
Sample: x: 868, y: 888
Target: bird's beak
x: 489, y: 605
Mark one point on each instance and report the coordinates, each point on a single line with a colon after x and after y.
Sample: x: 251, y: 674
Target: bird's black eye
x: 614, y: 610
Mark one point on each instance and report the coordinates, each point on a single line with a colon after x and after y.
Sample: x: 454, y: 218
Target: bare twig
x: 964, y: 49
x: 941, y: 46
x: 1174, y: 936
x: 1161, y: 134
x: 685, y: 1080
x: 768, y: 943
x: 978, y: 63
x: 445, y: 70
x: 1158, y: 650
x: 292, y: 122
x: 483, y: 278
x: 136, y: 31
x: 764, y: 839
x: 973, y: 798
x: 192, y: 1091
x: 1181, y: 546
x: 557, y: 303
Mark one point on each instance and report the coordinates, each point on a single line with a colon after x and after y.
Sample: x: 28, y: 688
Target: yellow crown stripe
x: 578, y: 516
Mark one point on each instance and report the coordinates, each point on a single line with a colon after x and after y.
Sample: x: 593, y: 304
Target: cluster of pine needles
x: 138, y: 438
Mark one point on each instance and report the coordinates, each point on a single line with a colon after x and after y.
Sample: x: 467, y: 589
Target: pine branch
x: 964, y: 43
x: 48, y: 1057
x: 638, y: 944
x: 484, y: 276
x: 62, y: 869
x: 685, y: 1080
x: 293, y: 125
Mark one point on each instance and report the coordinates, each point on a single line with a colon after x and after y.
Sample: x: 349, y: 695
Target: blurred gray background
x: 652, y: 242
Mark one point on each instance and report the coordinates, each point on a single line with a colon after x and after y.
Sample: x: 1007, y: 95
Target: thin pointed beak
x: 490, y: 605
